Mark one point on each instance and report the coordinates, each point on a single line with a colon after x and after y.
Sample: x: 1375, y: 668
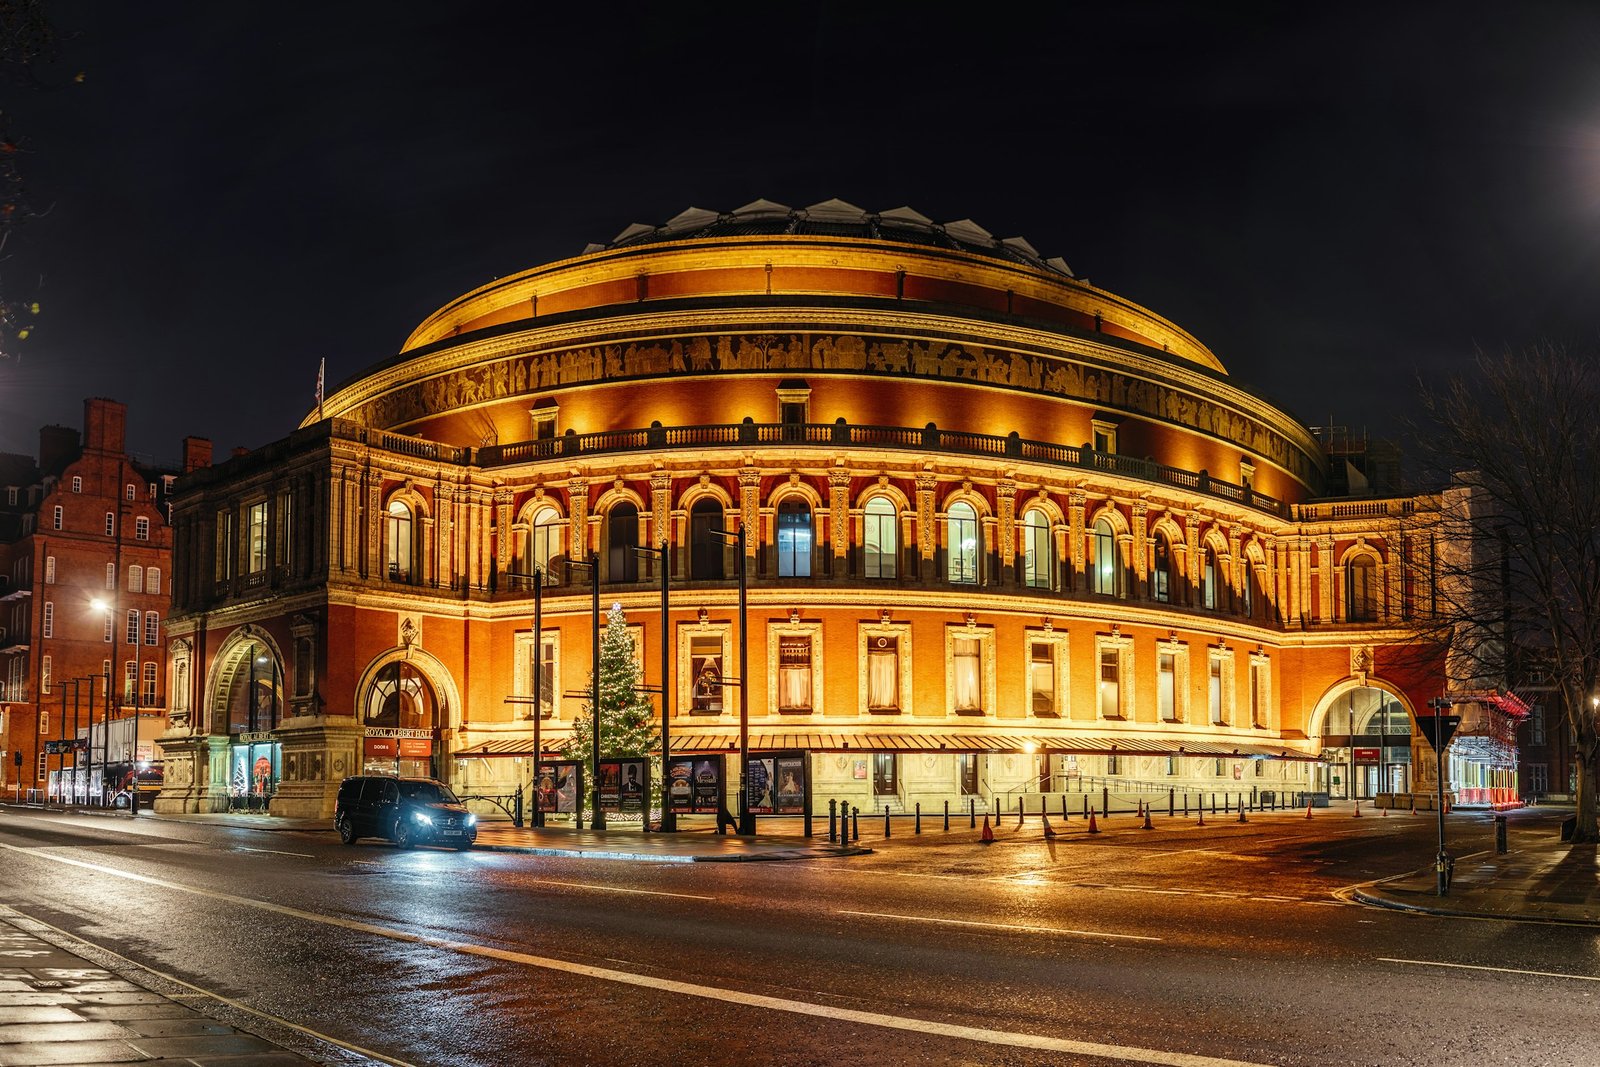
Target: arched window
x: 1107, y: 575
x: 962, y: 542
x: 622, y: 537
x: 255, y: 696
x: 135, y: 578
x: 400, y: 698
x: 705, y: 551
x: 1247, y: 592
x: 794, y: 538
x: 397, y: 541
x: 1038, y: 557
x: 1361, y: 588
x: 878, y: 539
x: 1161, y: 572
x: 544, y: 543
x: 1208, y: 579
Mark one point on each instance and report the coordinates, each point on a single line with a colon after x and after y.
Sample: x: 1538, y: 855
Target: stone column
x: 1076, y: 502
x: 1006, y: 499
x: 1141, y: 550
x: 578, y: 505
x: 927, y: 527
x: 839, y: 520
x: 750, y: 515
x: 1326, y: 573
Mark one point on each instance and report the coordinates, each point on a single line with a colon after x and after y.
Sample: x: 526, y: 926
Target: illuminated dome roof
x: 835, y: 218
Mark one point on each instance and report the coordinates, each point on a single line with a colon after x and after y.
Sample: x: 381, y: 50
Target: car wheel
x: 347, y: 829
x: 404, y: 835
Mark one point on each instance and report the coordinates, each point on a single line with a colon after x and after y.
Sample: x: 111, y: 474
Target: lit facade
x: 85, y: 564
x: 1006, y: 532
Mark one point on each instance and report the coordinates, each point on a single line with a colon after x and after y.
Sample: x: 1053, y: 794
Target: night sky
x: 1334, y: 198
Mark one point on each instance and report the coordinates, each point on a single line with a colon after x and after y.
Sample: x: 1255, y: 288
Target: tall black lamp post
x: 669, y: 818
x: 598, y: 818
x: 747, y: 819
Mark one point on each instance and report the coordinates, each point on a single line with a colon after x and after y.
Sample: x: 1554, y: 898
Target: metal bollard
x: 516, y: 810
x: 916, y: 827
x: 947, y: 816
x: 1213, y: 803
x: 1105, y: 799
x: 1086, y: 805
x: 886, y: 820
x: 833, y: 814
x: 972, y: 813
x: 1172, y: 797
x: 1186, y: 805
x: 855, y: 823
x: 1500, y: 834
x: 1063, y: 807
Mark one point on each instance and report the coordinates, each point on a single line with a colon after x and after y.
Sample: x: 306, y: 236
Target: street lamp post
x: 597, y: 819
x: 747, y: 819
x: 1441, y: 863
x: 669, y: 818
x: 537, y: 715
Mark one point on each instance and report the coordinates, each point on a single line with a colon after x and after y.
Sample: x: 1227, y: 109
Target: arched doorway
x: 1366, y: 741
x: 400, y: 713
x: 247, y: 704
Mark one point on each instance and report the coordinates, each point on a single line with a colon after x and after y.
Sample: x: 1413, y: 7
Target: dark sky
x: 1334, y: 198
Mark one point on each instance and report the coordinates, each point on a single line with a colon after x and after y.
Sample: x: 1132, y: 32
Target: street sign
x: 1366, y: 755
x: 1438, y: 729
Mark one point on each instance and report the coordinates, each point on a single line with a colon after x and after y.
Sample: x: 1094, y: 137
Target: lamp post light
x: 747, y: 820
x: 669, y: 818
x: 598, y: 818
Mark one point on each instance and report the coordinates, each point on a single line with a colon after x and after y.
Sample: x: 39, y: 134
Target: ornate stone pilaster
x: 1076, y: 502
x: 1192, y: 572
x: 444, y: 531
x: 372, y: 526
x: 927, y: 528
x: 750, y: 512
x: 1005, y: 492
x: 505, y: 548
x: 839, y: 513
x: 1141, y: 547
x: 660, y: 507
x: 578, y: 505
x: 1238, y: 566
x: 1326, y: 573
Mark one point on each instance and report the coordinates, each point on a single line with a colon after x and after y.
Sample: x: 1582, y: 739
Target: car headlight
x: 422, y: 817
x: 472, y: 820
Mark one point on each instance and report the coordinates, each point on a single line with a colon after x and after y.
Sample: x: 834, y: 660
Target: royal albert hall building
x: 1005, y: 532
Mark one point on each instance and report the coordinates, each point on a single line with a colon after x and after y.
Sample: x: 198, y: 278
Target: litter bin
x: 1500, y: 834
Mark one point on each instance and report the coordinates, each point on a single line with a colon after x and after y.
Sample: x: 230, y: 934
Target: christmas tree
x: 627, y: 717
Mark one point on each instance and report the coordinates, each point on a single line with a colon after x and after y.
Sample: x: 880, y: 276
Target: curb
x: 1456, y: 913
x: 657, y: 857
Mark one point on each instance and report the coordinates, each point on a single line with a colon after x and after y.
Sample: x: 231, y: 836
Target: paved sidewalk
x: 58, y: 1008
x: 781, y: 839
x: 1540, y: 879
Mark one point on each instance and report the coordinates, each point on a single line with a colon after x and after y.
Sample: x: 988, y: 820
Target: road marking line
x: 999, y: 926
x: 659, y: 984
x: 618, y: 889
x: 275, y: 852
x: 1501, y: 970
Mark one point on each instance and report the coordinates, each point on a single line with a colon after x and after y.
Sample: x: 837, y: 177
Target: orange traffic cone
x: 1049, y: 831
x: 1146, y: 825
x: 1308, y: 809
x: 1385, y: 813
x: 1241, y: 814
x: 1202, y: 821
x: 988, y: 833
x: 1358, y: 809
x: 1093, y: 826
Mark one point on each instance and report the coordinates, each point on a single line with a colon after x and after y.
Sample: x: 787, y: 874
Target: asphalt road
x: 1184, y: 946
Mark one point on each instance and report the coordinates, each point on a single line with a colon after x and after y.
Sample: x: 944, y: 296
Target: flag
x: 322, y: 368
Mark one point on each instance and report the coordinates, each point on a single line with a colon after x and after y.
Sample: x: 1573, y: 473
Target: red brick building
x: 85, y: 576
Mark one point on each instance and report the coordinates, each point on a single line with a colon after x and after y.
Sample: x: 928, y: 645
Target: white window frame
x: 141, y: 529
x: 147, y: 684
x: 152, y: 580
x: 901, y: 632
x: 1222, y: 715
x: 131, y: 630
x: 984, y: 635
x: 962, y: 565
x: 1122, y: 646
x: 1060, y: 663
x: 687, y: 632
x: 47, y: 628
x: 1179, y: 651
x: 56, y: 518
x: 135, y: 578
x: 152, y: 628
x: 77, y: 484
x: 876, y: 523
x: 1260, y: 683
x: 49, y: 570
x: 523, y: 677
x: 776, y: 631
x: 44, y: 674
x: 111, y: 524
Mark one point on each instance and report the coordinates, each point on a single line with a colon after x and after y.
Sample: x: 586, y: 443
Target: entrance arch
x: 404, y: 700
x: 1365, y: 729
x: 244, y: 701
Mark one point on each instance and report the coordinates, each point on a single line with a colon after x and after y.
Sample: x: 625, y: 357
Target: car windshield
x: 428, y: 793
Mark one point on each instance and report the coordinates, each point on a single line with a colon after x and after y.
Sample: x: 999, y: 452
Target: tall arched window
x: 878, y: 539
x: 544, y: 543
x: 622, y: 536
x: 1247, y: 591
x: 794, y: 538
x: 1107, y: 575
x: 705, y: 551
x: 1361, y: 588
x: 1038, y: 558
x: 962, y: 542
x: 397, y: 541
x: 1161, y: 572
x: 1208, y: 579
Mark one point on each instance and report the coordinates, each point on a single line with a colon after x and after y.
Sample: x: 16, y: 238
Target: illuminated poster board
x: 695, y: 784
x: 776, y: 783
x: 557, y: 787
x: 624, y: 786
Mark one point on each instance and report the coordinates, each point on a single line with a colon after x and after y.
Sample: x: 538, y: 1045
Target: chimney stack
x: 196, y: 453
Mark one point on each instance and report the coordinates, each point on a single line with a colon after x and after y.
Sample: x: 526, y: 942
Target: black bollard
x: 855, y: 823
x: 516, y: 810
x: 1172, y: 801
x: 1185, y: 805
x: 1105, y: 799
x: 886, y: 820
x: 1213, y: 803
x: 972, y: 813
x: 1019, y: 811
x: 833, y: 814
x: 916, y: 827
x: 947, y: 816
x: 1086, y: 805
x: 1063, y: 807
x: 1225, y: 799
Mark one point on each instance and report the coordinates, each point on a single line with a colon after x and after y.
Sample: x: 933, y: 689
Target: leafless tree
x: 1512, y: 540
